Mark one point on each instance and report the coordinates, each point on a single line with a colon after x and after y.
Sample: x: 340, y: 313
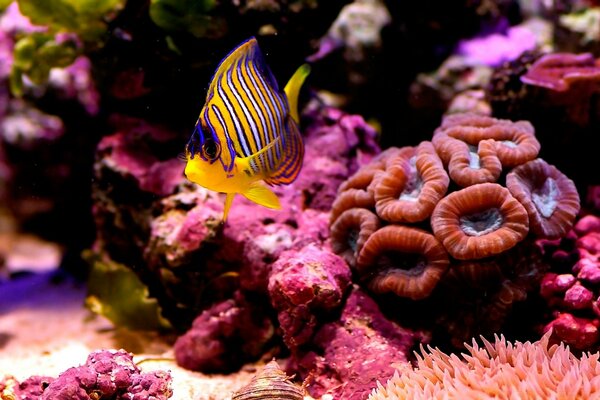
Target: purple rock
x: 589, y: 223
x: 589, y: 245
x: 497, y: 48
x: 13, y: 22
x: 305, y: 283
x: 261, y: 249
x: 152, y: 385
x: 579, y: 333
x: 356, y: 351
x: 589, y: 270
x: 76, y: 82
x: 109, y: 374
x: 224, y: 336
x: 553, y: 284
x: 578, y: 297
x: 33, y: 387
x: 6, y: 55
x: 176, y: 233
x: 127, y: 152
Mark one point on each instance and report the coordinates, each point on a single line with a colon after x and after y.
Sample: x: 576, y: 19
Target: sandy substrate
x: 44, y: 329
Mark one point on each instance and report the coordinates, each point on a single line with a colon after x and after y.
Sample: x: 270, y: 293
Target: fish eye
x: 210, y: 149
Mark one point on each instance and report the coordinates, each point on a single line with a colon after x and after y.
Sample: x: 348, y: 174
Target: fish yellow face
x: 210, y: 166
x: 211, y: 176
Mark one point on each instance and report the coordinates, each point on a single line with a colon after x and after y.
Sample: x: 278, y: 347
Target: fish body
x: 247, y: 132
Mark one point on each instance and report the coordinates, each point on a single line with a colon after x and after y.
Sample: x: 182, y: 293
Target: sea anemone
x: 496, y: 370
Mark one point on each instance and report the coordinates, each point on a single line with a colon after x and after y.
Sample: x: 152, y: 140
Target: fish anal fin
x: 263, y: 196
x: 228, y: 201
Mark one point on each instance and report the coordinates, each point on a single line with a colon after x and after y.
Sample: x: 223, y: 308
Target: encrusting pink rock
x: 224, y: 336
x: 31, y: 388
x: 128, y: 152
x: 303, y: 285
x: 336, y: 144
x: 106, y: 374
x: 579, y: 333
x: 572, y: 287
x: 349, y: 355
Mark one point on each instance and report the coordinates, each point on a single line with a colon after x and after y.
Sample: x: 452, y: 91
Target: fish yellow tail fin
x: 292, y: 89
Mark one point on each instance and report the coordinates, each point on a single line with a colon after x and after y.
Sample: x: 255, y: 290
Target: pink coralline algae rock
x: 224, y: 336
x: 178, y: 231
x: 572, y: 288
x: 579, y: 333
x: 264, y: 243
x: 337, y: 144
x: 32, y: 388
x: 260, y: 250
x: 593, y: 197
x: 12, y: 24
x: 6, y: 55
x: 108, y: 374
x: 351, y: 354
x: 148, y: 215
x: 496, y: 48
x: 129, y: 152
x: 133, y: 167
x: 304, y: 284
x: 76, y: 82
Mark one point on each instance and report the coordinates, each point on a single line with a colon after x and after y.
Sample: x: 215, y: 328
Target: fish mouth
x: 203, y: 177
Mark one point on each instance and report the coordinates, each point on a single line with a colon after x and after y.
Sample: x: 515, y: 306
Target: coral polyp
x: 413, y: 277
x: 443, y: 212
x: 479, y: 221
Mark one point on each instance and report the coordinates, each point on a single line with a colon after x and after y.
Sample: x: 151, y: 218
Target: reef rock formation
x: 572, y: 287
x: 105, y: 374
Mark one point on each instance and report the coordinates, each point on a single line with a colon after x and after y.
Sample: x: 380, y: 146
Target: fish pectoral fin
x: 263, y: 196
x: 259, y: 157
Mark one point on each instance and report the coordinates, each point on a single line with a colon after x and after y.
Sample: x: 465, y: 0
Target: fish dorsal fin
x: 292, y: 89
x: 231, y: 59
x: 251, y: 52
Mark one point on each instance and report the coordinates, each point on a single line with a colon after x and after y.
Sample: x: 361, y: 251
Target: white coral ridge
x: 499, y: 370
x: 358, y: 26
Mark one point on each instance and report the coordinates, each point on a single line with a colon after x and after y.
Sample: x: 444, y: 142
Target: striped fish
x: 247, y: 132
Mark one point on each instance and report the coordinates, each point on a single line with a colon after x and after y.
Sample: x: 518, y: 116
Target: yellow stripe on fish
x: 247, y: 131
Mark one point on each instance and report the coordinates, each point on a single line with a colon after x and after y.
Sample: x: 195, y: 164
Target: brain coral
x: 498, y: 370
x: 476, y: 219
x: 413, y: 215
